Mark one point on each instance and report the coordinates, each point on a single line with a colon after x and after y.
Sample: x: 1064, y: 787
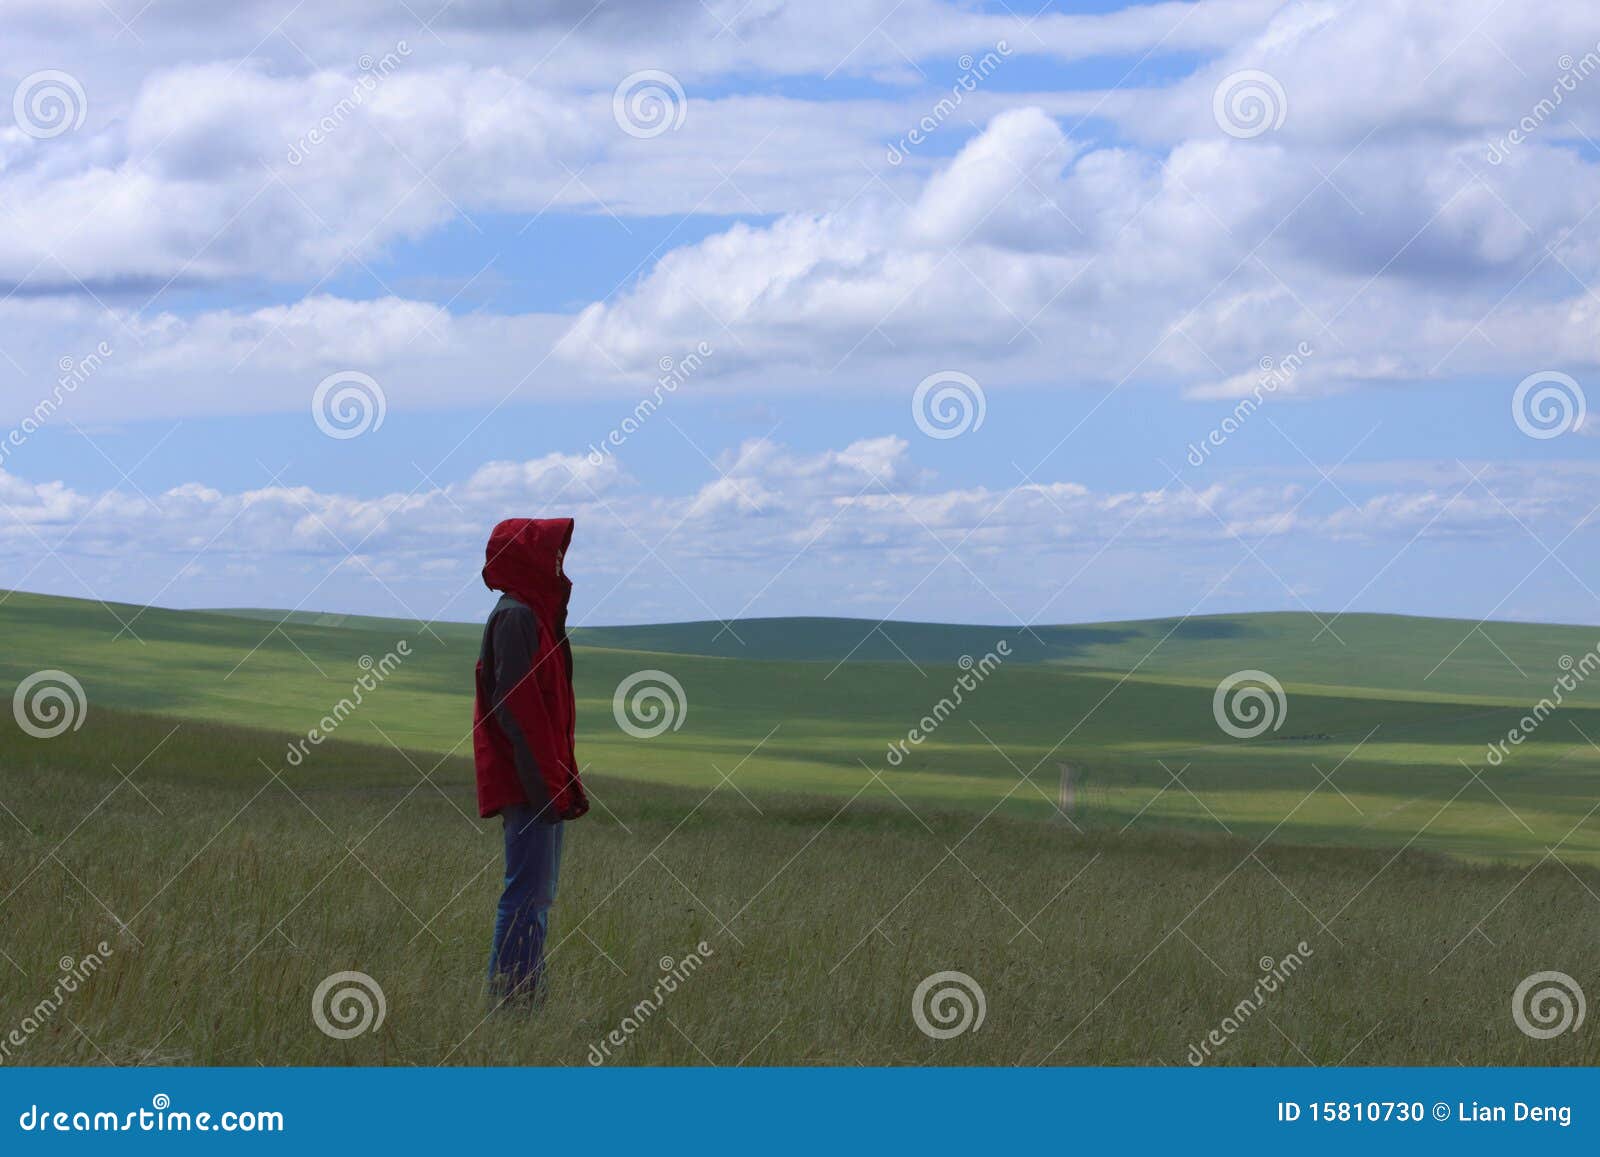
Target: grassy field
x: 227, y: 895
x: 1395, y: 744
x: 227, y: 881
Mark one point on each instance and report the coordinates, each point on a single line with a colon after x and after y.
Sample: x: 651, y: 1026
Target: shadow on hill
x: 854, y: 640
x: 1199, y: 630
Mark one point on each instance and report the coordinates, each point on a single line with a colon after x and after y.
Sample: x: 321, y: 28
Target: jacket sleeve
x: 518, y: 706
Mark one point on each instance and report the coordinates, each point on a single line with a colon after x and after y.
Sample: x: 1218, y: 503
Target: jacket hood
x: 526, y: 558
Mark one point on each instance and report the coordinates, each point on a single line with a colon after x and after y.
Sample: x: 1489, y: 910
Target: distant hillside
x: 818, y: 639
x: 1410, y: 655
x: 1396, y: 712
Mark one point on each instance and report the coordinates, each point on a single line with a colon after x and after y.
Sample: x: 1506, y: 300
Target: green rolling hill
x: 1419, y: 657
x: 1398, y: 712
x: 772, y: 826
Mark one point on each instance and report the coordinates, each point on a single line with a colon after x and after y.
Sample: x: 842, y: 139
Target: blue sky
x: 1094, y: 243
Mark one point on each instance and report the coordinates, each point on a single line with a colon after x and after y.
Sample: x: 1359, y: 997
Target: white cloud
x: 1061, y: 238
x: 1369, y: 223
x: 820, y: 516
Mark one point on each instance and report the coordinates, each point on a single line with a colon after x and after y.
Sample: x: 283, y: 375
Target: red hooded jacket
x: 524, y: 719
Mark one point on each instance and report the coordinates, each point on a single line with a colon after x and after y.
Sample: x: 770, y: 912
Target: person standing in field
x: 523, y: 738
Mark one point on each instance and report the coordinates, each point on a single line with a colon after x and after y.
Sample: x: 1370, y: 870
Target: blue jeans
x: 533, y: 865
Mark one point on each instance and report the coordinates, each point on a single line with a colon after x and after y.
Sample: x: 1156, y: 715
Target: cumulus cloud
x: 1417, y: 207
x: 1369, y: 223
x: 283, y: 144
x: 844, y: 517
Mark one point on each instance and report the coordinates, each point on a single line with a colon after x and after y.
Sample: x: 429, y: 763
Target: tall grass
x: 226, y: 895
